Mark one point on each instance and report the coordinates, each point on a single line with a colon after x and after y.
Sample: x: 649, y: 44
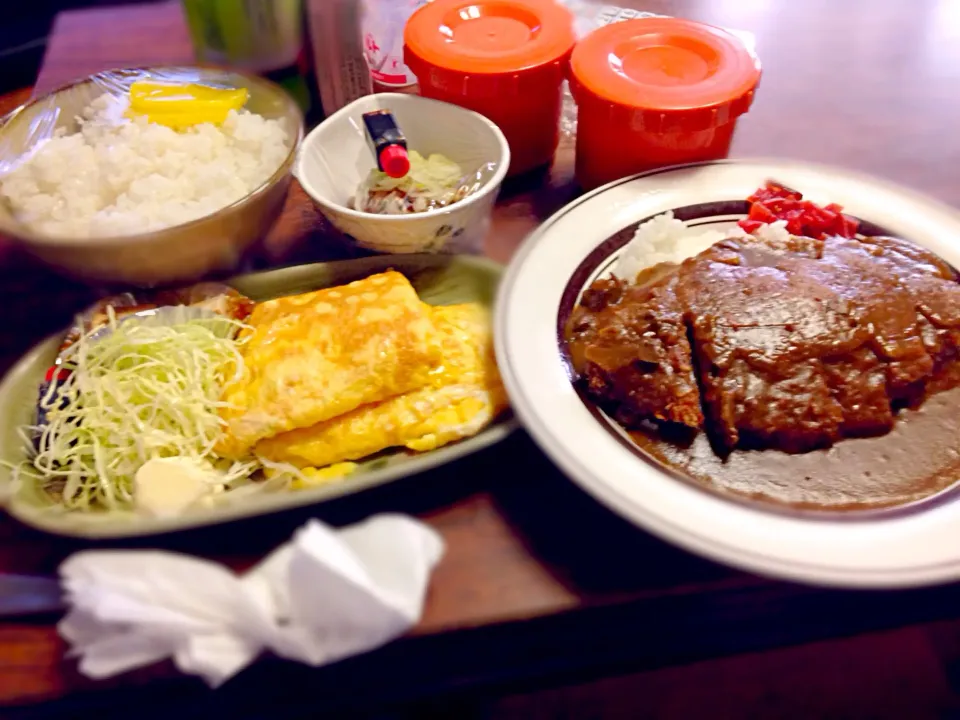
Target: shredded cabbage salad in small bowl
x: 432, y: 182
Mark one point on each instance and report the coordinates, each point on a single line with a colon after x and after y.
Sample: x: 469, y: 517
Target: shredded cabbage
x: 143, y: 391
x: 432, y: 182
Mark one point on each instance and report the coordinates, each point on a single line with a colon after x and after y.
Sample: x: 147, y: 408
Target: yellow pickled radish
x: 181, y: 106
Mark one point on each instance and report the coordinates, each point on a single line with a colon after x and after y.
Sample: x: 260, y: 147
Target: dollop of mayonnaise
x: 164, y: 487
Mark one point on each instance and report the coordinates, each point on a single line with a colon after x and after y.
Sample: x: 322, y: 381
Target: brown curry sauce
x: 918, y: 459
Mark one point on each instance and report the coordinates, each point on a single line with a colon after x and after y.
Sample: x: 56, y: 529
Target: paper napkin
x: 325, y: 595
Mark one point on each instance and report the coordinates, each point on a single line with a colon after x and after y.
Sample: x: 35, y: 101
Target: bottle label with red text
x: 383, y: 23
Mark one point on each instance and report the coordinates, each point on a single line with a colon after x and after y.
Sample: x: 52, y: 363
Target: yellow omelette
x: 320, y: 355
x: 463, y: 395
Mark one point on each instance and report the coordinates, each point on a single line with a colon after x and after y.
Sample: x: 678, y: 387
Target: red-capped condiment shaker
x: 657, y: 91
x: 505, y: 59
x: 387, y: 143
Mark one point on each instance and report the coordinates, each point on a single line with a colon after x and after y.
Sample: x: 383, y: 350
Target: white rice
x: 119, y: 176
x: 664, y: 239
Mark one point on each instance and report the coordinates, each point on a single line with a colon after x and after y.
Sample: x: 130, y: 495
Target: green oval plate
x: 439, y: 280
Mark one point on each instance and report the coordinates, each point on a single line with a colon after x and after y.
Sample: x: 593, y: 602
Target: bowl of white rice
x: 109, y: 196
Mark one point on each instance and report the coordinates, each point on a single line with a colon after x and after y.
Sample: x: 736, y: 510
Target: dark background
x: 23, y: 35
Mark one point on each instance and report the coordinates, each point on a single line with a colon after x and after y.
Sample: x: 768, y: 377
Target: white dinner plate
x: 565, y: 254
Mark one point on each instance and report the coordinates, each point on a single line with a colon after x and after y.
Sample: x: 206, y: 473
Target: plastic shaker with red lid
x: 657, y: 91
x: 505, y: 59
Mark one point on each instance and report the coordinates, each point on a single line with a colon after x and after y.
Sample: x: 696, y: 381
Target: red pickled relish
x: 775, y: 202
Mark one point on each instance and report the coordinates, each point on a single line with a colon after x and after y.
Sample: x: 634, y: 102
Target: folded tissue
x: 325, y: 595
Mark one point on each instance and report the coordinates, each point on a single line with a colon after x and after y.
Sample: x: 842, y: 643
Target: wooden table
x: 539, y: 583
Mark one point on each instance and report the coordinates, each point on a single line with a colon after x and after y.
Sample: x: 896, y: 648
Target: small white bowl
x: 335, y: 157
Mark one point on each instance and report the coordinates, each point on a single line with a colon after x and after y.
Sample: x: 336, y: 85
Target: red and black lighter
x: 387, y: 143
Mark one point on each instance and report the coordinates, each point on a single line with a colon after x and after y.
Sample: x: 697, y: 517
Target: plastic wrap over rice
x: 119, y: 175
